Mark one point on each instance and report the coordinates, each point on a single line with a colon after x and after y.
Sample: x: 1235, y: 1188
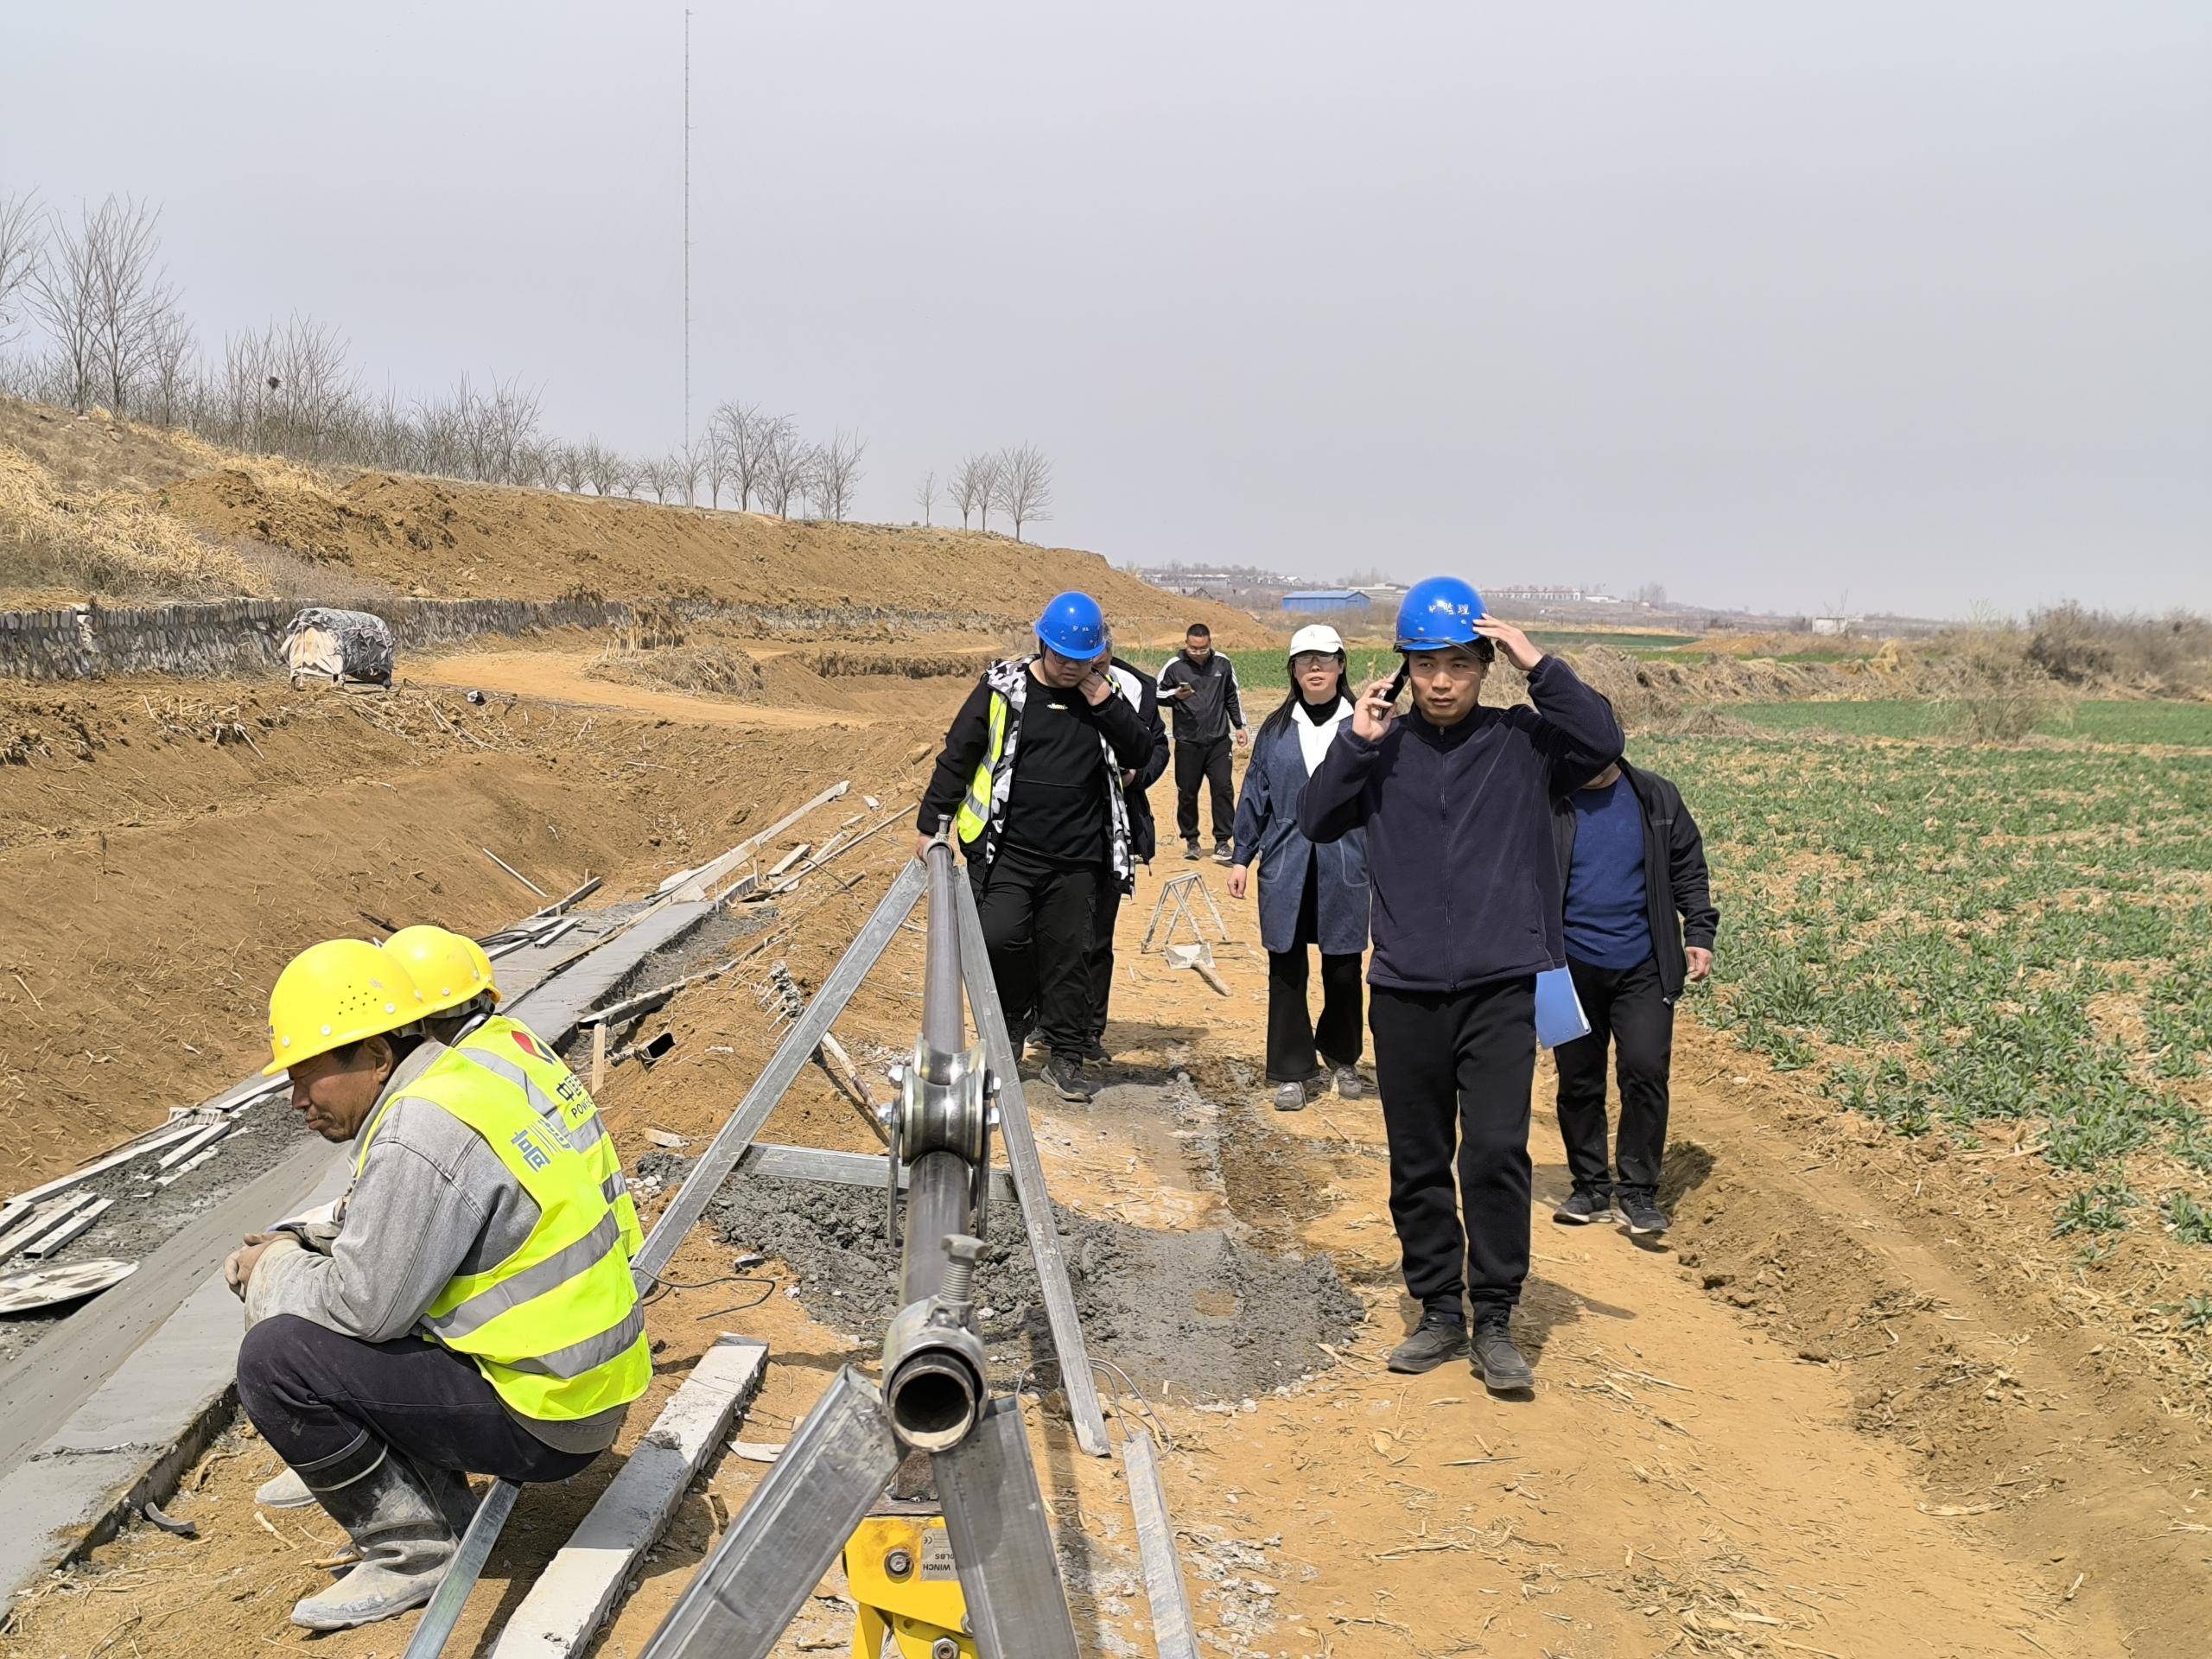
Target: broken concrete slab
x: 574, y: 1595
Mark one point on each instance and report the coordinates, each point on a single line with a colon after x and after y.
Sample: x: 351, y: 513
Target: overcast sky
x: 1769, y: 303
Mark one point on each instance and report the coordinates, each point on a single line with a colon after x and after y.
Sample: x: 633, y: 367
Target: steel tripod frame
x: 737, y: 1138
x: 1176, y: 889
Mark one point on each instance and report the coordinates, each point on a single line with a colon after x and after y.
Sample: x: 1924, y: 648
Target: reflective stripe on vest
x: 514, y: 1051
x: 556, y: 1328
x: 975, y: 810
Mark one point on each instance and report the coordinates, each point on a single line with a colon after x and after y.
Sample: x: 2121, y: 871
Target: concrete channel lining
x: 110, y: 1417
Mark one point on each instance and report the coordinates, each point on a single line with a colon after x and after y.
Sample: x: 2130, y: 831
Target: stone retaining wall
x: 234, y: 636
x: 237, y: 636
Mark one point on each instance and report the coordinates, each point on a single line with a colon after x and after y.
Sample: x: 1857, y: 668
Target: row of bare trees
x: 1017, y: 481
x: 116, y: 335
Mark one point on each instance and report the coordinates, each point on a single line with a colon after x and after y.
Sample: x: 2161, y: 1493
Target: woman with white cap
x: 1309, y: 895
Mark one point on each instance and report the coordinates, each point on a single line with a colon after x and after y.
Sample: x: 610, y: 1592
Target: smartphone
x: 1397, y: 686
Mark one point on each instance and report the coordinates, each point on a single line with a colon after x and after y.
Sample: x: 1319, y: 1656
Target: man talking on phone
x: 1031, y: 777
x: 1457, y: 803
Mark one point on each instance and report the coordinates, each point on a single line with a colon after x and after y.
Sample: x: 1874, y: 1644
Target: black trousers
x: 325, y: 1402
x: 1208, y: 763
x: 1626, y: 1008
x: 1038, y: 926
x: 1106, y: 911
x: 1457, y: 1066
x: 1291, y: 1031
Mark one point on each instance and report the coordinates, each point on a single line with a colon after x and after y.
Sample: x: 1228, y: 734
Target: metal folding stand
x: 934, y: 1398
x: 1176, y: 890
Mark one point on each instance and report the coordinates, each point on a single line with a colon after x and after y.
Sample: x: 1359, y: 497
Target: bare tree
x: 22, y: 239
x: 607, y: 473
x: 168, y: 369
x: 837, y: 474
x: 656, y: 474
x: 1022, y: 484
x: 685, y: 463
x: 64, y: 291
x: 130, y: 293
x: 566, y: 466
x: 751, y: 439
x: 715, y: 459
x: 784, y: 475
x: 925, y: 497
x: 972, y: 485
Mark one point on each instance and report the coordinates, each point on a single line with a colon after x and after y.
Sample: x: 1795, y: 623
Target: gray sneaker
x: 1434, y: 1340
x: 1498, y: 1363
x: 1645, y: 1218
x: 1290, y: 1098
x: 1349, y: 1084
x: 1586, y: 1205
x: 1064, y: 1073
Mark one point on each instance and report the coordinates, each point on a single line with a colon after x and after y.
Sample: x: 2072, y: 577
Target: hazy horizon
x: 1771, y: 308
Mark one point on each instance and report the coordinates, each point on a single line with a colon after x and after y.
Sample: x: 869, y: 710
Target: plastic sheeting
x: 326, y: 644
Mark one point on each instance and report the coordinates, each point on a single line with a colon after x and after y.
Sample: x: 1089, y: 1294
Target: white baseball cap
x: 1316, y: 636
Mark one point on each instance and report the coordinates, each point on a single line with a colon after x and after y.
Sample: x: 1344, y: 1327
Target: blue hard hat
x: 1437, y: 611
x: 1074, y: 626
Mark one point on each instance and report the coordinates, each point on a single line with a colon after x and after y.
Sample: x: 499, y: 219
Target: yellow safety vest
x: 527, y: 1060
x: 975, y: 816
x: 557, y: 1328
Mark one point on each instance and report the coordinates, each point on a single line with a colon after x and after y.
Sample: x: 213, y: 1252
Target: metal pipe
x: 944, y: 1024
x: 937, y: 1187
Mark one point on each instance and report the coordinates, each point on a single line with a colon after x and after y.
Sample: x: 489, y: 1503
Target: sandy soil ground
x: 1837, y: 1417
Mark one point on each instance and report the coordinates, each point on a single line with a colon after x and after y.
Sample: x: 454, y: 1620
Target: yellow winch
x: 900, y: 1571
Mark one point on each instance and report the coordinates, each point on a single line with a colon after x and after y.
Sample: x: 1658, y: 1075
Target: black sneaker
x: 1094, y: 1050
x: 1584, y: 1205
x: 1189, y: 849
x: 1645, y: 1219
x: 1435, y: 1339
x: 1064, y: 1073
x: 1222, y: 853
x: 1498, y: 1363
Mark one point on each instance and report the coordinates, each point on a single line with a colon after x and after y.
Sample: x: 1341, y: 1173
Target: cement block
x: 574, y: 1595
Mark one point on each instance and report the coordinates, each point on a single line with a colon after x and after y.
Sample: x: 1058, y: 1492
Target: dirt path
x: 559, y: 677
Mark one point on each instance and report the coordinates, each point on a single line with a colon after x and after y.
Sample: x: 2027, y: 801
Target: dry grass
x: 716, y: 669
x: 104, y: 542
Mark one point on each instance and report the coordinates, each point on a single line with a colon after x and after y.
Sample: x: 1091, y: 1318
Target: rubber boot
x: 286, y: 1491
x: 406, y: 1542
x: 450, y: 1491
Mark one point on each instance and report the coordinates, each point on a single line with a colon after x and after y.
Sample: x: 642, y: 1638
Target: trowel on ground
x: 1198, y: 958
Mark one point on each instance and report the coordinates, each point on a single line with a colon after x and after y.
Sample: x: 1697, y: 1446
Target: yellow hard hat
x: 450, y: 969
x: 333, y: 994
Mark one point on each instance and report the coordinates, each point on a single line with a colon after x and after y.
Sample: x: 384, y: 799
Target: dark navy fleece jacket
x: 1460, y: 853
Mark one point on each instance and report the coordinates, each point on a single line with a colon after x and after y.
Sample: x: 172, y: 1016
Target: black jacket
x: 1674, y: 881
x: 1466, y: 886
x: 1144, y: 837
x: 1214, y: 706
x: 1134, y: 745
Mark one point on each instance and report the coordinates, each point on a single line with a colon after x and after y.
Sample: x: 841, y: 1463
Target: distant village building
x: 1325, y: 598
x: 1542, y: 595
x: 1834, y: 625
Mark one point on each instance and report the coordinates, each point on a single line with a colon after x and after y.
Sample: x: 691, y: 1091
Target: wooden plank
x: 572, y: 1596
x: 41, y: 1220
x: 193, y: 1144
x: 167, y: 1135
x: 704, y: 879
x: 47, y: 1243
x: 790, y: 858
x: 1172, y: 1636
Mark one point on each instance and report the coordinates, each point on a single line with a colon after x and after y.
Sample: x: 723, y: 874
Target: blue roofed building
x: 1325, y: 598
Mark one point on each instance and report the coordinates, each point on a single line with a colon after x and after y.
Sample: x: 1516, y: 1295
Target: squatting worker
x: 1136, y: 687
x: 1031, y: 780
x: 1309, y: 895
x: 1640, y: 924
x: 474, y: 1313
x: 1457, y: 801
x: 1200, y: 684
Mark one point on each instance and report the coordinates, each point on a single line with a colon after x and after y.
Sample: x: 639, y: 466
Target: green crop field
x: 1954, y: 938
x: 2187, y: 724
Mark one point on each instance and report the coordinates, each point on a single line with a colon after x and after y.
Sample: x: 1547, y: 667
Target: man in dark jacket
x: 1456, y: 799
x: 1200, y: 684
x: 1640, y: 922
x: 1031, y: 779
x: 1134, y: 684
